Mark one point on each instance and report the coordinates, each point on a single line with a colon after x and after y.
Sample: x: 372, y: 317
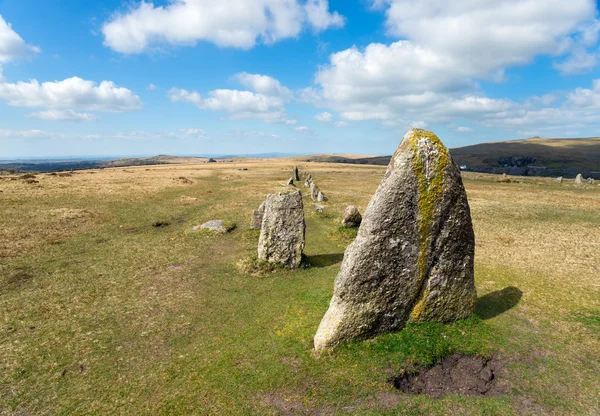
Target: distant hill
x: 529, y: 157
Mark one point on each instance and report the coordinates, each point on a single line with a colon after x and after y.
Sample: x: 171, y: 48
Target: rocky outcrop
x: 283, y: 229
x: 412, y: 259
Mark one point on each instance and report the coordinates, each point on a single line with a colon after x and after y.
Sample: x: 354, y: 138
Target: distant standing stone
x: 213, y: 225
x: 290, y: 181
x: 319, y: 208
x: 559, y: 179
x: 283, y: 229
x: 352, y: 217
x: 257, y: 217
x: 211, y: 160
x: 590, y: 181
x: 307, y: 183
x: 412, y: 259
x: 321, y: 197
x: 314, y: 191
x: 296, y: 174
x: 578, y: 178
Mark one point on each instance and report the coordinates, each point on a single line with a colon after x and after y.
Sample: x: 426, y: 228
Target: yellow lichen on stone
x: 430, y: 193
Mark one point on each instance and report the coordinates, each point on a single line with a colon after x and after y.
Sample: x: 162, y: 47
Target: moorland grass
x: 102, y: 313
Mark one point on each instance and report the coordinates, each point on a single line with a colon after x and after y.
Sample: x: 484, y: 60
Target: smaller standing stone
x: 314, y: 191
x: 257, y: 217
x: 579, y: 178
x: 283, y: 230
x: 590, y: 181
x: 290, y: 181
x: 319, y: 208
x: 559, y: 179
x: 321, y: 197
x: 352, y: 217
x: 296, y: 174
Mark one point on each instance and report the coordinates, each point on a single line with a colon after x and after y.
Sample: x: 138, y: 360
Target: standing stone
x: 282, y: 234
x: 290, y: 181
x: 412, y: 259
x: 590, y: 180
x: 308, y: 182
x: 579, y: 178
x: 314, y: 191
x: 559, y: 179
x: 352, y: 217
x: 257, y: 217
x: 296, y: 174
x: 321, y: 196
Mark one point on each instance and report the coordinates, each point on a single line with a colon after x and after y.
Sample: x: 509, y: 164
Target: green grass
x: 114, y: 316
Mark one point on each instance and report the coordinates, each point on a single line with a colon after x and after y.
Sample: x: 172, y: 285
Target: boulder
x: 213, y: 225
x: 257, y: 217
x: 412, y: 259
x: 590, y: 180
x: 296, y: 174
x: 579, y: 178
x: 352, y: 217
x: 282, y: 233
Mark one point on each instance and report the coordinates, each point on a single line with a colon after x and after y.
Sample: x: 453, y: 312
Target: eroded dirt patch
x: 457, y: 374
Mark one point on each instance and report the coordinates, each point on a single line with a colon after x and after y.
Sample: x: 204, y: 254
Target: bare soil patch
x: 467, y: 375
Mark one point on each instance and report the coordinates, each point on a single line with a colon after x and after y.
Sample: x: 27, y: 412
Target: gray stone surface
x: 352, y: 217
x: 257, y: 217
x: 559, y: 179
x: 314, y: 191
x: 213, y: 225
x: 578, y: 178
x: 321, y: 196
x: 283, y: 229
x: 412, y: 259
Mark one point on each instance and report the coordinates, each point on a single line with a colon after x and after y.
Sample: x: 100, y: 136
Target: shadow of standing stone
x: 496, y: 303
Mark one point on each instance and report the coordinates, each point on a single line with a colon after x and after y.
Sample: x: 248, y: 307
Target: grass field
x: 103, y: 313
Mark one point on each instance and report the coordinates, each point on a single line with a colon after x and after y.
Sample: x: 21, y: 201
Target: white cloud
x: 239, y: 104
x: 462, y: 129
x: 12, y: 46
x: 227, y: 23
x: 72, y: 93
x: 578, y: 62
x: 418, y: 124
x: 291, y: 122
x: 152, y: 87
x: 26, y: 134
x: 341, y: 124
x: 193, y: 133
x: 324, y: 117
x: 263, y: 84
x: 432, y: 75
x: 302, y: 129
x: 69, y: 115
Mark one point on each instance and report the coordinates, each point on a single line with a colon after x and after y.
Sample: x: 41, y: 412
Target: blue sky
x: 116, y: 77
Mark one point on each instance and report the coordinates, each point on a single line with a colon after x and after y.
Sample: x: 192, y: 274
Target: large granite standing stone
x: 282, y: 234
x: 352, y: 217
x: 412, y: 259
x: 257, y: 217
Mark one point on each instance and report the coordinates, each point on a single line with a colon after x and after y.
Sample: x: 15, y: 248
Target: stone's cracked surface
x: 283, y: 230
x: 413, y: 256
